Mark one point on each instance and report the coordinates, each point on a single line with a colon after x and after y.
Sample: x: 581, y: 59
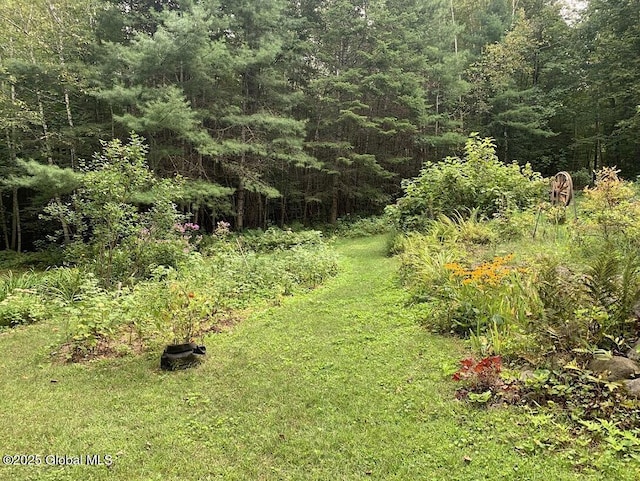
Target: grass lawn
x: 335, y: 384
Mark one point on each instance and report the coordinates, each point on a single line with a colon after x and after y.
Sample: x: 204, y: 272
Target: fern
x: 601, y: 280
x: 613, y: 283
x: 629, y: 289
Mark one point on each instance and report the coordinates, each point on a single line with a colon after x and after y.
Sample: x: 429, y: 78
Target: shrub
x: 482, y: 381
x: 478, y: 181
x: 181, y: 304
x: 612, y: 211
x: 581, y: 178
x: 31, y: 260
x: 468, y: 299
x: 278, y: 239
x: 561, y: 292
x: 109, y: 224
x: 513, y: 226
x: 590, y: 309
x: 22, y: 306
x: 492, y: 294
x: 469, y: 230
x: 361, y: 227
x: 584, y: 396
x: 613, y: 286
x: 10, y: 281
x: 422, y: 268
x: 63, y: 284
x: 91, y: 318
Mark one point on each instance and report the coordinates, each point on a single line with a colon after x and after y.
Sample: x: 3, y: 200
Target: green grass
x: 336, y: 384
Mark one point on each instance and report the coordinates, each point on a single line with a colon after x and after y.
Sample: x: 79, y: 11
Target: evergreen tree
x: 611, y: 84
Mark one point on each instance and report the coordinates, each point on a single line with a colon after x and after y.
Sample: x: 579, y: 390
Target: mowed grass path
x: 335, y: 384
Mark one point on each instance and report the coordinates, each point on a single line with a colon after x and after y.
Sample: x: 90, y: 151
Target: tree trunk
x: 265, y: 212
x: 48, y: 151
x: 283, y: 208
x: 240, y: 206
x: 67, y: 102
x: 3, y: 220
x: 506, y: 146
x: 16, y: 234
x: 304, y: 211
x: 47, y: 145
x: 334, y: 200
x: 514, y: 8
x: 437, y: 124
x: 12, y: 155
x: 455, y: 35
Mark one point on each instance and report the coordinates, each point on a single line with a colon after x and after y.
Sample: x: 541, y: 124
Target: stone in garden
x: 634, y: 352
x: 526, y: 375
x: 633, y: 387
x: 616, y: 368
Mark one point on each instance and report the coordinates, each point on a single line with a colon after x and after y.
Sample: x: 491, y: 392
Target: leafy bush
x: 22, y: 306
x: 109, y: 226
x: 422, y: 266
x: 481, y: 379
x: 458, y: 186
x: 139, y: 256
x: 361, y: 227
x: 278, y: 239
x: 584, y: 396
x: 581, y: 178
x: 513, y: 226
x: 63, y: 284
x: 174, y: 310
x: 613, y: 285
x: 175, y: 305
x: 561, y: 292
x: 10, y: 282
x: 11, y: 260
x: 470, y: 230
x: 90, y: 318
x: 612, y: 212
x: 31, y: 297
x: 589, y: 309
x: 469, y: 299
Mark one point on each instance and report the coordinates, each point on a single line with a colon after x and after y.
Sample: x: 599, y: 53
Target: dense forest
x: 281, y: 111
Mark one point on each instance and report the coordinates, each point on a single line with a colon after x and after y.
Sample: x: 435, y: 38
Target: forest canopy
x: 280, y: 111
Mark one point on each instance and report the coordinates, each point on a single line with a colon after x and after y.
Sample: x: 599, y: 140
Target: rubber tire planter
x: 182, y: 356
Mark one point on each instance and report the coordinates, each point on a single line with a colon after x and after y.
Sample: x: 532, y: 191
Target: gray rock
x: 616, y: 368
x: 527, y: 374
x: 634, y: 352
x: 633, y: 387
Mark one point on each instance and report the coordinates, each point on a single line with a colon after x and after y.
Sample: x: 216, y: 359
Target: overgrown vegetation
x: 335, y: 383
x: 528, y: 284
x: 478, y: 183
x: 173, y: 304
x: 295, y: 114
x: 139, y: 275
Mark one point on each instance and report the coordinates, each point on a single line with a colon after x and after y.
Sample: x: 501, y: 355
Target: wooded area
x: 283, y: 111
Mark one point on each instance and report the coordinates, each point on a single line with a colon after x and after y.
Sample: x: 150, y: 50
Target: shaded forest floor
x: 339, y: 383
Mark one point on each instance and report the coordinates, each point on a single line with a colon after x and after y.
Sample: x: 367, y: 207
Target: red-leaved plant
x: 486, y: 369
x: 479, y: 376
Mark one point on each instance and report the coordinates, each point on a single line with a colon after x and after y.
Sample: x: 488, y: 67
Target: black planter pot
x: 182, y: 356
